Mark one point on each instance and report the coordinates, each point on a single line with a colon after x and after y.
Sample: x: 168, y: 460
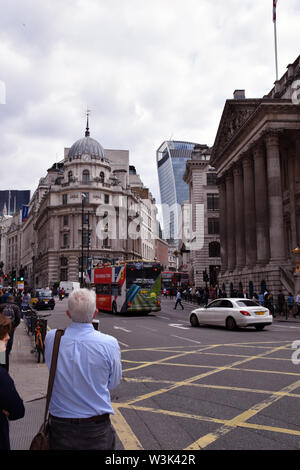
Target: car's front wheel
x: 230, y: 323
x: 194, y: 320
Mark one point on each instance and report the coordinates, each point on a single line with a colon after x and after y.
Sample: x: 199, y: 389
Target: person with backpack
x: 12, y: 311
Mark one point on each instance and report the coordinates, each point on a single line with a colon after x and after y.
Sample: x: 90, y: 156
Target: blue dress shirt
x: 88, y: 366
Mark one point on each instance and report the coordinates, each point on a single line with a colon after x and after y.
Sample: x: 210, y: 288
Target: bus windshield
x: 142, y: 274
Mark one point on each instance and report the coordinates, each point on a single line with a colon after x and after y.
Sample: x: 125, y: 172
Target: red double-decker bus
x: 133, y: 286
x: 173, y: 280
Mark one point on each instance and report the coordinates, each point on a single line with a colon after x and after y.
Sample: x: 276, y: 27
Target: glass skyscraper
x: 171, y: 158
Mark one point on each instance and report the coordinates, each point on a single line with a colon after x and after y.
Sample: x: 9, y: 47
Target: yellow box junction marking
x: 130, y: 441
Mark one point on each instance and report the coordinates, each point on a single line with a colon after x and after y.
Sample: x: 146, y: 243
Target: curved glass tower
x: 171, y: 158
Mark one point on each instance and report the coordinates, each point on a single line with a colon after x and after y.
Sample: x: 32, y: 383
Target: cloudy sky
x: 149, y: 71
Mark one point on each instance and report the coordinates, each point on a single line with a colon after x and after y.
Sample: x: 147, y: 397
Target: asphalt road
x: 187, y: 388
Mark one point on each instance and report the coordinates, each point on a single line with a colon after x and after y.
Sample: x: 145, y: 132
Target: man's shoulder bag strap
x: 58, y: 335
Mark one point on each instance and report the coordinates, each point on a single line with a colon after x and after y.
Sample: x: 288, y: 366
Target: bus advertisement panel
x: 132, y: 287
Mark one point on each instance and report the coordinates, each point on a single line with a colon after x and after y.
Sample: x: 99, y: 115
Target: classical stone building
x: 257, y: 157
x: 83, y: 208
x: 201, y: 179
x: 148, y: 215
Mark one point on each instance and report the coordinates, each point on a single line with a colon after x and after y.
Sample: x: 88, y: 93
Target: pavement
x: 31, y: 380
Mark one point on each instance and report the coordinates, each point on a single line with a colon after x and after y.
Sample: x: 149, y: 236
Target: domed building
x: 79, y: 211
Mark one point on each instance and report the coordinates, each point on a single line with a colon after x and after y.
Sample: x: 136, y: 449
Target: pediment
x: 235, y: 115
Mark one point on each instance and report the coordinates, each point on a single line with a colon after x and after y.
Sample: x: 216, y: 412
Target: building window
x: 211, y: 179
x: 85, y: 176
x: 70, y: 176
x: 86, y: 238
x: 65, y: 240
x: 63, y: 261
x: 64, y: 274
x: 213, y: 202
x: 213, y: 226
x: 85, y: 218
x: 65, y: 199
x: 106, y: 198
x: 101, y: 176
x: 214, y: 250
x: 66, y: 220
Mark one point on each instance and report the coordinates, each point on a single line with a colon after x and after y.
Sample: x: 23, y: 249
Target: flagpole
x: 276, y: 59
x: 275, y: 35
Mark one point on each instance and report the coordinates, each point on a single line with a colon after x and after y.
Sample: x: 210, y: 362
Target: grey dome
x: 86, y: 145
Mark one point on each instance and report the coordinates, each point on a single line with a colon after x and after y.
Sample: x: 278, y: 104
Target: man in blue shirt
x: 88, y: 366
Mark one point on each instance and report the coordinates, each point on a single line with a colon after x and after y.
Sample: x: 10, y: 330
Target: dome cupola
x: 86, y: 148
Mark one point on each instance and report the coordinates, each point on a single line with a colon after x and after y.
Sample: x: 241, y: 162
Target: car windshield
x: 247, y: 303
x: 45, y: 293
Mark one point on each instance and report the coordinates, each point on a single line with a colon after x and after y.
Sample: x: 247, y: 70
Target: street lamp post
x: 82, y: 237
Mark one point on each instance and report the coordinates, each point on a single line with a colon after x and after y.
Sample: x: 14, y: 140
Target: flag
x: 24, y: 213
x: 274, y: 10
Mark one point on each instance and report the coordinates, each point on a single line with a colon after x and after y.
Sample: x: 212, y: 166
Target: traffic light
x: 21, y: 274
x: 13, y: 275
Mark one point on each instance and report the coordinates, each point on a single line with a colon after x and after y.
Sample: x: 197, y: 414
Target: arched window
x: 85, y: 176
x: 70, y: 176
x: 214, y: 250
x: 101, y: 176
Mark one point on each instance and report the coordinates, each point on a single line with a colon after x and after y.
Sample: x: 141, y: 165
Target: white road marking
x: 121, y: 328
x: 186, y: 339
x: 178, y: 325
x: 123, y: 344
x: 286, y: 326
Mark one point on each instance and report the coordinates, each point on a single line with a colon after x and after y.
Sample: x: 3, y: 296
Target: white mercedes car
x: 232, y: 313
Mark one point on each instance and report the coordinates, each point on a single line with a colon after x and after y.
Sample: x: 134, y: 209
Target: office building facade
x: 12, y: 200
x: 171, y: 158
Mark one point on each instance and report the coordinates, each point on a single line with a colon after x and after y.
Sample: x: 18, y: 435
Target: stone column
x: 239, y: 216
x: 290, y: 155
x: 297, y: 182
x: 249, y: 210
x: 223, y: 224
x: 276, y: 227
x: 230, y: 222
x: 261, y: 205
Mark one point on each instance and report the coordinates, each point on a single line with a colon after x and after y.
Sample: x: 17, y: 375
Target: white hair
x: 82, y: 305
